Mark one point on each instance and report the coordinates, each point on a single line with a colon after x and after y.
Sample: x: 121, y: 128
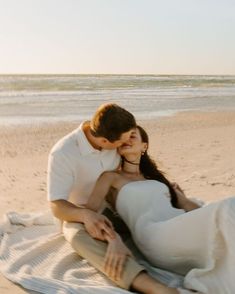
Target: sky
x: 117, y: 36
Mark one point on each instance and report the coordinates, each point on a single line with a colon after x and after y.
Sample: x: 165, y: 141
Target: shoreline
x: 8, y: 122
x: 195, y: 149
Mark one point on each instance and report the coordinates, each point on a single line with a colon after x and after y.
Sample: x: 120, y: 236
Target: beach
x: 194, y: 149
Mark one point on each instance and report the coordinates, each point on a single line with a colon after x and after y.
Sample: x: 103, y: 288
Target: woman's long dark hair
x: 149, y: 169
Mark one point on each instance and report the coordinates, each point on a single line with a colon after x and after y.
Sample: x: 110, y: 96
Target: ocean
x: 48, y: 98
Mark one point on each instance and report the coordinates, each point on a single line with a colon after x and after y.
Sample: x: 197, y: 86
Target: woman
x: 199, y: 244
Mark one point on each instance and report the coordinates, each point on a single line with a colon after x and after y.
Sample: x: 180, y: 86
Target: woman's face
x: 134, y: 145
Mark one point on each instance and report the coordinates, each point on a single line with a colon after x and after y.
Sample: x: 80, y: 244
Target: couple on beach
x: 107, y: 190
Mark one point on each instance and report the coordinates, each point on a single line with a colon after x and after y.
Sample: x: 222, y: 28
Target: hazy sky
x: 117, y: 36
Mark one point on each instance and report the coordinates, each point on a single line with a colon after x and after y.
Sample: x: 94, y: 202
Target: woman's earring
x: 143, y: 152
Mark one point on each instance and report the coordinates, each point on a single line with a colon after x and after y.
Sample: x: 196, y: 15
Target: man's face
x: 123, y: 139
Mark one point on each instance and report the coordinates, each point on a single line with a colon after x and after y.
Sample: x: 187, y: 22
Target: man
x: 75, y: 164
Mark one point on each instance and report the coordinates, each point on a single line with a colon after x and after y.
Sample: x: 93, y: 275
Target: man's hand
x: 115, y: 257
x: 98, y: 225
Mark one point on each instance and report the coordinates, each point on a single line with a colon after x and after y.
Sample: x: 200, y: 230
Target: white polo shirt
x: 74, y: 167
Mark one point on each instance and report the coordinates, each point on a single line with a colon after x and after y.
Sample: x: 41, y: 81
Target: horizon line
x: 116, y: 74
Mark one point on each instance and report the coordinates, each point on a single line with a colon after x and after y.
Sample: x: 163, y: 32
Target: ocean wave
x: 57, y: 83
x: 42, y: 97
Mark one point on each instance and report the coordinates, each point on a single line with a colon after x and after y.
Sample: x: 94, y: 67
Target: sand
x: 195, y: 149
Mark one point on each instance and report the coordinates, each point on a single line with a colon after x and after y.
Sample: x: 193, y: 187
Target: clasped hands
x: 100, y: 227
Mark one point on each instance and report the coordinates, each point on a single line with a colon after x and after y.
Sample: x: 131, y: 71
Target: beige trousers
x: 94, y: 252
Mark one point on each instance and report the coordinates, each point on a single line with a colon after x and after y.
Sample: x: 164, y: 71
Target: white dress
x: 199, y: 244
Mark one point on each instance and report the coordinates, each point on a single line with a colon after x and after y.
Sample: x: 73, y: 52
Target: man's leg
x: 134, y: 275
x: 94, y: 252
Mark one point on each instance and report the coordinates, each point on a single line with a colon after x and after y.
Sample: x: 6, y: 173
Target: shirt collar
x: 84, y: 145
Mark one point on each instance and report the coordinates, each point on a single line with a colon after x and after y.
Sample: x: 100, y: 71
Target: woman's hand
x: 98, y: 226
x: 115, y: 257
x: 181, y: 197
x: 183, y: 201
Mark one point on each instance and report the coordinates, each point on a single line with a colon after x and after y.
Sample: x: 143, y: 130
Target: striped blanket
x: 34, y: 254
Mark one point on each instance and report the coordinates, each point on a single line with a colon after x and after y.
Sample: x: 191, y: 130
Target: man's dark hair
x: 111, y: 121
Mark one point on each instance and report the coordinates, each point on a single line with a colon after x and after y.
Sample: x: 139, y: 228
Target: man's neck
x: 91, y: 139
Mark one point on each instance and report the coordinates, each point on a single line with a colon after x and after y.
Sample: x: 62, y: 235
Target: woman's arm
x: 183, y: 201
x: 117, y: 252
x: 102, y: 186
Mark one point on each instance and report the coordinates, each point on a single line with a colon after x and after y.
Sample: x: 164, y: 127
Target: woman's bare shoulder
x: 110, y: 175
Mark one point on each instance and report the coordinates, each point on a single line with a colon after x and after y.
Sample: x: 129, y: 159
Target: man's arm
x: 60, y: 182
x: 95, y: 224
x: 67, y: 211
